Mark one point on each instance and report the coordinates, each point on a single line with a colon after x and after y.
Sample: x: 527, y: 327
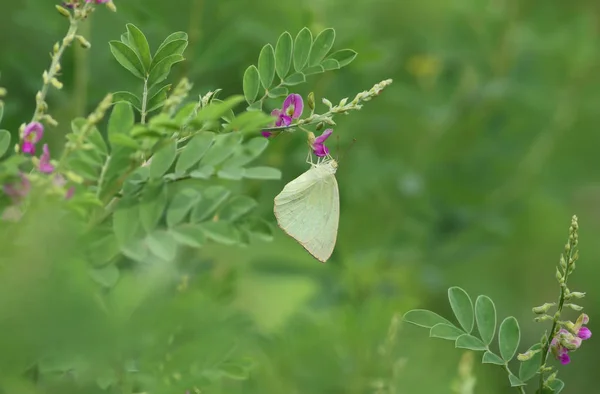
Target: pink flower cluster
x: 566, y: 341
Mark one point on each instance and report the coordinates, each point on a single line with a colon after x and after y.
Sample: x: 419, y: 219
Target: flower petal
x: 320, y: 139
x: 28, y: 147
x: 564, y: 358
x: 584, y: 333
x: 45, y: 165
x: 33, y: 132
x: 283, y: 120
x: 266, y: 134
x: 293, y: 105
x: 320, y: 150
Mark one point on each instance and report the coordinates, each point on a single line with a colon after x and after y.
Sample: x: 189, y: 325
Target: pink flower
x: 45, y: 165
x: 318, y: 145
x: 32, y: 135
x: 292, y: 108
x: 584, y: 333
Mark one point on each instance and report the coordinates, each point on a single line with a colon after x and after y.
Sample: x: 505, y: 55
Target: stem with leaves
x: 144, y: 101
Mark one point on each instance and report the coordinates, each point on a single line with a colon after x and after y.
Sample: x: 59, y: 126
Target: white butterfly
x: 308, y: 209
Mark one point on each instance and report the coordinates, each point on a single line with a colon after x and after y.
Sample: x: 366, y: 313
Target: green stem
x: 144, y: 101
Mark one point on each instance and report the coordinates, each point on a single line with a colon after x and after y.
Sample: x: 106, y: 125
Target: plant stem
x: 144, y: 101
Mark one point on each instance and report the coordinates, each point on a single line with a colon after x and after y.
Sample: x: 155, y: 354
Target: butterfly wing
x: 308, y: 210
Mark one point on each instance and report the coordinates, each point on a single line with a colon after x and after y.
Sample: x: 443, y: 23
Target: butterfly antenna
x: 347, y: 149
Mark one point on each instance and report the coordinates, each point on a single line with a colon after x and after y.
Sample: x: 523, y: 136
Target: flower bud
x: 527, y: 355
x: 575, y: 307
x: 56, y: 83
x: 538, y: 310
x: 577, y: 294
x: 563, y: 263
x: 319, y: 126
x: 542, y: 318
x: 559, y: 276
x: 63, y: 11
x: 310, y: 100
x: 83, y: 42
x: 111, y: 6
x: 327, y: 103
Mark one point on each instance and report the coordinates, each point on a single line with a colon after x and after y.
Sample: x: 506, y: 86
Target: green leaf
x: 267, y: 173
x: 294, y: 79
x: 236, y: 208
x: 126, y: 223
x: 509, y: 336
x: 161, y: 70
x: 158, y: 99
x: 189, y: 235
x: 462, y: 307
x: 251, y: 84
x: 128, y: 97
x: 121, y: 119
x: 266, y: 66
x: 106, y: 276
x: 467, y: 341
x: 302, y: 46
x: 283, y: 54
x: 313, y: 70
x: 234, y: 372
x: 178, y: 35
x: 138, y: 42
x: 231, y: 173
x: 1, y: 111
x: 514, y: 381
x: 343, y: 57
x: 174, y: 47
x: 193, y: 152
x: 224, y: 146
x: 181, y: 205
x: 424, y: 318
x: 4, y: 141
x: 445, y: 331
x: 258, y: 227
x: 279, y: 91
x: 247, y: 152
x: 152, y: 206
x: 122, y: 140
x: 321, y: 46
x: 556, y: 385
x: 212, y: 198
x: 162, y: 244
x: 528, y: 368
x: 163, y: 159
x: 125, y: 38
x: 249, y: 122
x: 330, y: 64
x: 221, y: 232
x: 492, y: 358
x: 127, y: 58
x: 485, y: 314
x: 216, y: 111
x: 204, y: 172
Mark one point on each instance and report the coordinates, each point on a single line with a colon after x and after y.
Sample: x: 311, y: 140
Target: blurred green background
x: 466, y: 172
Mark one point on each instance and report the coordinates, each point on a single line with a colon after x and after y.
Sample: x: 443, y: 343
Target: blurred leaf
x: 343, y: 57
x: 266, y: 66
x: 283, y: 54
x: 231, y: 173
x: 259, y: 228
x: 247, y: 152
x: 106, y: 276
x: 321, y: 46
x: 127, y: 58
x: 181, y: 205
x: 445, y: 331
x: 249, y: 122
x: 129, y: 98
x: 158, y: 99
x: 162, y: 244
x: 204, y: 172
x: 236, y: 208
x: 122, y: 140
x: 1, y: 111
x: 125, y: 38
x: 189, y: 234
x: 462, y: 307
x: 485, y: 314
x: 139, y: 43
x: 294, y: 79
x: 528, y: 368
x: 224, y: 146
x: 302, y: 45
x: 266, y: 173
x: 152, y: 205
x: 467, y: 341
x: 161, y: 70
x: 212, y: 198
x: 236, y: 372
x: 4, y: 141
x: 424, y: 318
x: 509, y: 336
x: 330, y: 64
x: 215, y: 111
x: 193, y: 152
x: 121, y: 119
x: 126, y: 223
x: 313, y: 70
x: 491, y: 358
x: 278, y: 92
x: 557, y: 385
x: 251, y: 83
x: 514, y: 381
x: 163, y: 159
x: 173, y: 47
x: 220, y: 232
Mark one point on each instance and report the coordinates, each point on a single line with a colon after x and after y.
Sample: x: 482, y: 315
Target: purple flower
x: 45, y: 165
x: 32, y: 135
x: 19, y: 190
x: 584, y: 333
x: 292, y: 109
x: 318, y: 145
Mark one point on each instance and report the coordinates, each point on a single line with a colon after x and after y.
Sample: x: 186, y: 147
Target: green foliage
x: 4, y: 142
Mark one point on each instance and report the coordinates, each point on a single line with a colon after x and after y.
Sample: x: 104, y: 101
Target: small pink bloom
x: 292, y: 108
x: 318, y: 145
x: 584, y: 333
x: 32, y: 135
x: 45, y: 165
